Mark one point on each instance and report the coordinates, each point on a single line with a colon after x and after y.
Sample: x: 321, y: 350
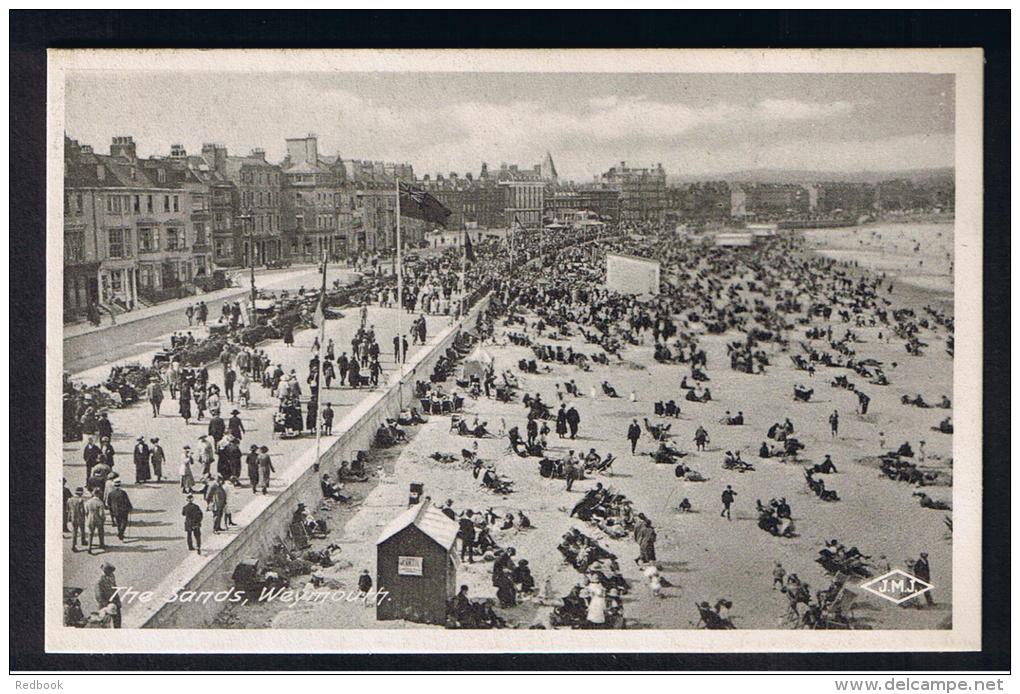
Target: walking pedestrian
x: 187, y: 476
x: 265, y: 468
x: 728, y: 497
x: 216, y: 501
x: 95, y: 517
x: 633, y: 434
x: 142, y: 454
x: 119, y: 503
x: 252, y: 462
x: 157, y: 457
x: 834, y: 423
x: 154, y: 394
x: 193, y: 524
x: 76, y: 514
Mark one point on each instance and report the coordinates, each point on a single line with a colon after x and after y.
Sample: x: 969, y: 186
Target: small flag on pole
x: 420, y: 204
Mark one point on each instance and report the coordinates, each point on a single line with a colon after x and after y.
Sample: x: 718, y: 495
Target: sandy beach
x: 917, y: 254
x: 702, y: 555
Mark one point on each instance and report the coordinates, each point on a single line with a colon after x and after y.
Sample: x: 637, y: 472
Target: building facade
x: 643, y: 196
x: 129, y: 234
x: 524, y: 195
x: 600, y: 200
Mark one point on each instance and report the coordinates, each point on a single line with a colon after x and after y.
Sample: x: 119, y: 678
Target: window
x: 148, y: 203
x: 74, y: 246
x: 119, y: 241
x: 161, y: 175
x: 145, y: 274
x: 148, y: 240
x: 166, y: 203
x: 224, y: 248
x: 175, y: 239
x: 177, y: 205
x: 78, y: 203
x: 138, y: 204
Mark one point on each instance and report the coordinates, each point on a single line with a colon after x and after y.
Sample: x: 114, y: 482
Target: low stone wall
x: 256, y: 538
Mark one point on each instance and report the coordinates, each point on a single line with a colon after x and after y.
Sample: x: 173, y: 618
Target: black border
x: 31, y: 32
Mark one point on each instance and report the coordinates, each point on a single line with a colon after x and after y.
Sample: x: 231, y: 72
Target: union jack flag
x: 420, y: 204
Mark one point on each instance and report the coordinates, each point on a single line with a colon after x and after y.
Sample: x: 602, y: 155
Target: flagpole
x: 463, y: 273
x: 322, y: 339
x: 400, y: 306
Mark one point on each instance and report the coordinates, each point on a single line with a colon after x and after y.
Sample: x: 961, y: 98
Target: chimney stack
x: 123, y: 146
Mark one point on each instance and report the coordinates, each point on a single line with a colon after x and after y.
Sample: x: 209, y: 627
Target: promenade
x: 155, y: 544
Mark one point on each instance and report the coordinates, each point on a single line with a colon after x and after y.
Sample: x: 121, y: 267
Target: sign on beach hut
x: 416, y: 567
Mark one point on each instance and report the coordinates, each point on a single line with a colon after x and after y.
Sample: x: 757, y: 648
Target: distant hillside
x: 802, y: 176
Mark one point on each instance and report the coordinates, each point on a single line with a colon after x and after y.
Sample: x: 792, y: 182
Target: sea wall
x: 355, y: 432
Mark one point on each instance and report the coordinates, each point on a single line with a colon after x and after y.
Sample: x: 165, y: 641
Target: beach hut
x: 416, y: 566
x: 477, y: 363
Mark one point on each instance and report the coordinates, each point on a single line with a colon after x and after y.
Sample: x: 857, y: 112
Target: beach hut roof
x: 480, y: 356
x: 427, y: 518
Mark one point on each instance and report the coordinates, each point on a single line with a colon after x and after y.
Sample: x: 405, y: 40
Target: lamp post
x: 250, y: 232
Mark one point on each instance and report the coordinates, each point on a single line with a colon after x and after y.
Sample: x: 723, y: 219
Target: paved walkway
x: 264, y: 279
x: 155, y: 542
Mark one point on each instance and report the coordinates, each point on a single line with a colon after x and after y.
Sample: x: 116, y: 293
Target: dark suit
x: 633, y: 434
x: 217, y: 428
x: 120, y: 508
x: 193, y: 524
x: 91, y: 455
x: 235, y: 427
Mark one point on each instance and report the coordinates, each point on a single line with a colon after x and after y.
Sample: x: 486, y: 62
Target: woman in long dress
x: 596, y: 602
x: 187, y: 477
x: 184, y: 405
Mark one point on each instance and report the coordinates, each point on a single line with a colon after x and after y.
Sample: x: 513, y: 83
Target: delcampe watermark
x: 897, y: 586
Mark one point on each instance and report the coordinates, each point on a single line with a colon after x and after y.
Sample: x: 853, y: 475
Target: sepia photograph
x: 595, y: 350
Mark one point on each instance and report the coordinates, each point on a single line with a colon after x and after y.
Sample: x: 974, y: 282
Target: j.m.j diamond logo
x: 897, y: 586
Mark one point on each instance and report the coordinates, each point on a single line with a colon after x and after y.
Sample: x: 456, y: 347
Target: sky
x: 694, y: 124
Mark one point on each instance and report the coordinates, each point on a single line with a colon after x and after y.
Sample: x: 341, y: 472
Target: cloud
x: 791, y: 109
x: 437, y: 131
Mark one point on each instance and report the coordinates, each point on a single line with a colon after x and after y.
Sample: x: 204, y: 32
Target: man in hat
x: 633, y: 434
x: 193, y: 524
x: 154, y: 394
x: 141, y: 455
x: 120, y: 508
x: 234, y: 425
x: 157, y: 457
x: 252, y: 462
x: 76, y: 514
x: 206, y: 453
x: 91, y: 455
x: 217, y: 428
x: 106, y: 452
x: 265, y: 468
x: 216, y: 501
x: 104, y: 426
x: 106, y: 592
x: 95, y: 518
